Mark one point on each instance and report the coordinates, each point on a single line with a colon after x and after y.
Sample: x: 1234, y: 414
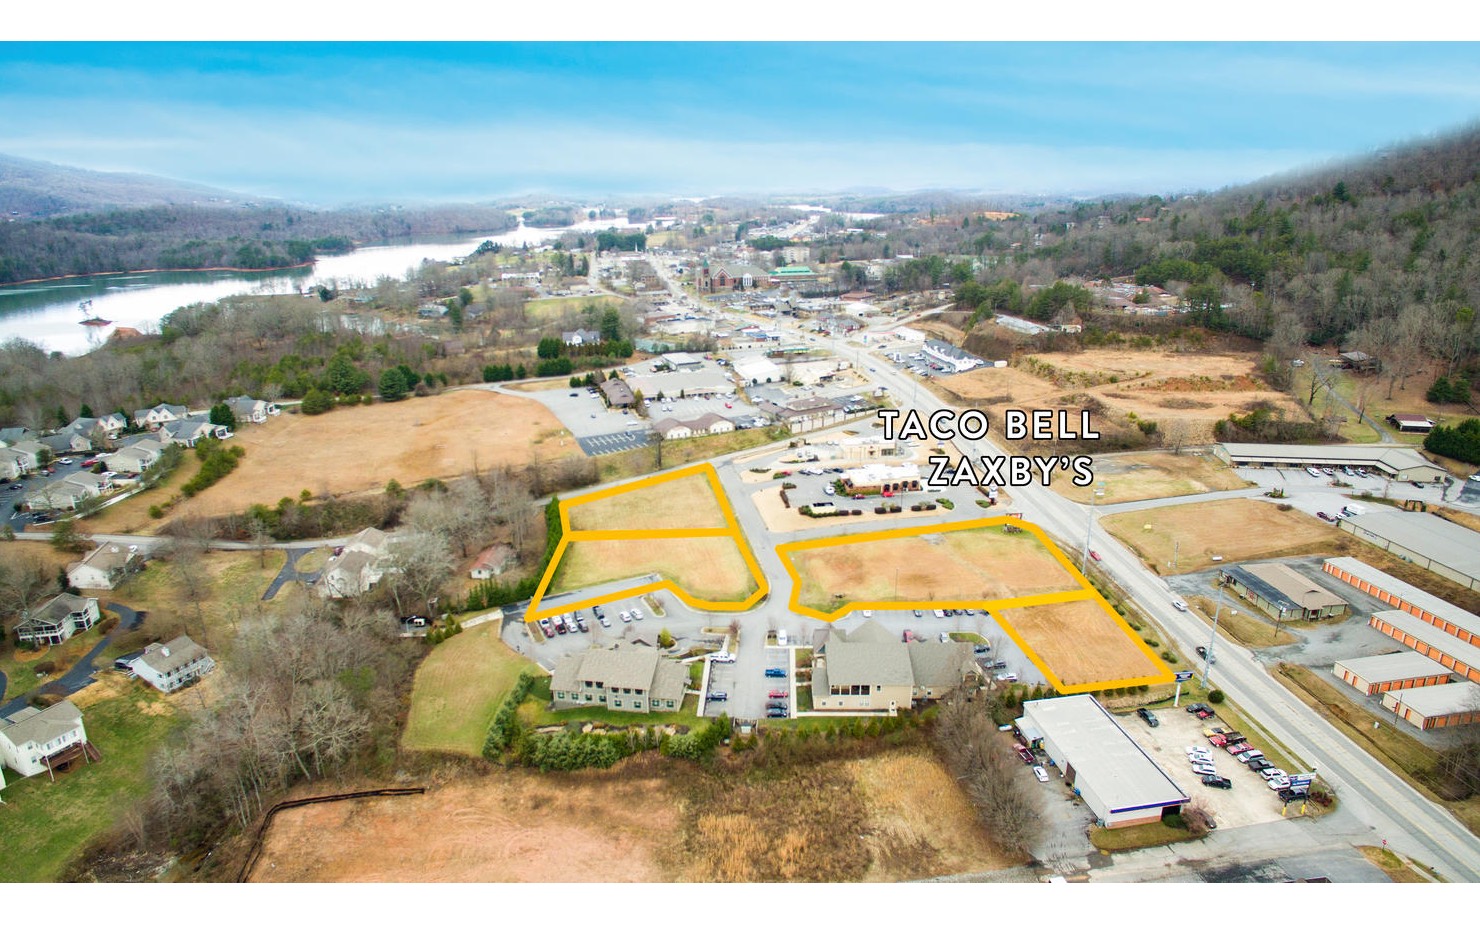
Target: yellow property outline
x: 1086, y: 592
x: 731, y: 530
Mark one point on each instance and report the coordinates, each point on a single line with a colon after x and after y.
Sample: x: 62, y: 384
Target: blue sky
x: 329, y: 123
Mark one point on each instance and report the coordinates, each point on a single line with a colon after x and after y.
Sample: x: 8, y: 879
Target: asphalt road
x: 1377, y: 797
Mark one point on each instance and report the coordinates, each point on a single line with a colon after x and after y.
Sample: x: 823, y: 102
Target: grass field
x: 688, y: 502
x: 708, y: 568
x: 981, y: 564
x: 1237, y: 529
x: 1370, y: 394
x: 1138, y: 476
x: 131, y: 515
x: 1238, y: 623
x: 361, y: 448
x: 45, y: 825
x: 1398, y: 751
x: 541, y: 311
x: 1080, y: 642
x: 1132, y: 837
x: 458, y: 688
x: 679, y: 453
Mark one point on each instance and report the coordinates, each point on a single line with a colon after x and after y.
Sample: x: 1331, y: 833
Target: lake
x: 47, y: 313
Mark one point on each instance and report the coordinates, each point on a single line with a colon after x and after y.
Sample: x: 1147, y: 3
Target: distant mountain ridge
x: 39, y: 189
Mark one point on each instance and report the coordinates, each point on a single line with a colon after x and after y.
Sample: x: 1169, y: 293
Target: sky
x: 329, y: 123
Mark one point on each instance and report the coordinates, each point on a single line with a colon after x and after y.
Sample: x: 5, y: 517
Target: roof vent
x: 165, y: 651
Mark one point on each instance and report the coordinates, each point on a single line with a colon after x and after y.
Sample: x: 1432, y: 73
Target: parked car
x: 1210, y: 731
x: 1007, y: 676
x: 1213, y: 780
x: 1326, y: 517
x: 722, y: 658
x: 637, y: 613
x: 626, y: 616
x: 561, y: 628
x: 918, y: 614
x: 581, y: 625
x: 1293, y: 793
x: 1204, y: 769
x: 1279, y: 783
x: 1235, y: 738
x: 1217, y: 741
x: 1270, y: 773
x: 604, y: 620
x: 1206, y: 713
x: 547, y: 629
x: 1040, y: 773
x: 829, y: 490
x: 1238, y: 748
x: 945, y: 637
x: 1195, y: 707
x: 1258, y: 764
x: 778, y: 695
x: 717, y: 695
x: 775, y: 672
x: 776, y: 714
x: 1149, y: 717
x: 1022, y: 752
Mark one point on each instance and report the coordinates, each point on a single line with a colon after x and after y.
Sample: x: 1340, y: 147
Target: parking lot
x: 1249, y: 802
x: 615, y: 443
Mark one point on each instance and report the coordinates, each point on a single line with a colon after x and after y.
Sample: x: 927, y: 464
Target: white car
x: 722, y: 658
x: 637, y: 613
x: 1279, y: 783
x: 1204, y: 770
x: 1180, y: 604
x: 626, y: 617
x: 1199, y: 750
x: 1040, y: 773
x: 829, y: 490
x: 1271, y: 773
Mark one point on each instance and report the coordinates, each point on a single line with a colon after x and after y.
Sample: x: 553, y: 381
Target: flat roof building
x: 1460, y: 657
x: 1400, y: 595
x: 878, y: 477
x: 1376, y: 674
x: 1393, y: 461
x: 1427, y: 540
x: 1284, y: 593
x: 1104, y: 765
x: 1436, y: 707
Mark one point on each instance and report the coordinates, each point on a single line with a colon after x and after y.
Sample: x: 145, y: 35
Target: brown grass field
x: 886, y: 817
x: 1080, y: 642
x: 1197, y: 387
x: 1238, y: 529
x: 1138, y: 476
x: 983, y: 564
x: 457, y: 690
x: 686, y: 503
x: 710, y: 568
x: 361, y: 448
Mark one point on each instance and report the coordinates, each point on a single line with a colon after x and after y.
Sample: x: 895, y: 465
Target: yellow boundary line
x: 731, y: 530
x: 1086, y: 592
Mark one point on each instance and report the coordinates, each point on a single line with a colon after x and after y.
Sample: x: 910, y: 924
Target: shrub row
x: 505, y: 726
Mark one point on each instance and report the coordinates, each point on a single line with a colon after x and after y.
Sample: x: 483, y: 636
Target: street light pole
x: 1213, y: 637
x: 1090, y: 526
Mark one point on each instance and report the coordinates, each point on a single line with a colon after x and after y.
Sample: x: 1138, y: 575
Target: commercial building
x: 1118, y: 781
x: 1460, y: 657
x: 625, y: 677
x: 680, y: 360
x: 1376, y: 674
x: 618, y: 394
x: 757, y: 371
x: 1436, y: 707
x: 1396, y: 462
x: 869, y: 668
x: 1400, y: 595
x: 1283, y: 593
x: 1426, y: 540
x: 878, y: 477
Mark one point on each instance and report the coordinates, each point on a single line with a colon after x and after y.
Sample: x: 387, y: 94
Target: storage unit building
x: 1400, y: 595
x: 1426, y: 540
x: 1396, y: 671
x: 1104, y: 765
x: 1460, y: 657
x: 1436, y: 707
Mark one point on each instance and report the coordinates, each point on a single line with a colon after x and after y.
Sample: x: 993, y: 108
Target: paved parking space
x: 614, y: 443
x: 1250, y: 802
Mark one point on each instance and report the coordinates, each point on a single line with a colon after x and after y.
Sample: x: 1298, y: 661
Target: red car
x: 1094, y: 555
x: 1022, y: 752
x: 779, y: 695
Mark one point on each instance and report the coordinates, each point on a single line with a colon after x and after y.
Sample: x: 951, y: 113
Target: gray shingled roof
x: 940, y: 664
x: 882, y: 663
x: 177, y: 653
x: 42, y: 726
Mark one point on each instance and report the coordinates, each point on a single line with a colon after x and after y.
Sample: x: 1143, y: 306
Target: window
x: 616, y: 703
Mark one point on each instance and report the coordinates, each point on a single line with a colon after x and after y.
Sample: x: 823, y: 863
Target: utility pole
x: 1090, y: 526
x: 1213, y: 637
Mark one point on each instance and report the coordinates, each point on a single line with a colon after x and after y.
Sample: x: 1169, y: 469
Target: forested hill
x: 1354, y: 253
x: 188, y: 237
x: 37, y: 189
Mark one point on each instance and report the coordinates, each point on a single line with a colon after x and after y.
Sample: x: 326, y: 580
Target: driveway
x: 80, y: 675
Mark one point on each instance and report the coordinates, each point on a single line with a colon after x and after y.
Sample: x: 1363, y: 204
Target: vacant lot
x: 709, y: 568
x: 458, y: 688
x: 614, y: 466
x: 543, y: 311
x: 1082, y: 644
x: 983, y: 564
x: 131, y: 515
x: 681, y: 503
x: 1237, y: 529
x: 1138, y: 476
x: 1187, y: 391
x: 359, y: 448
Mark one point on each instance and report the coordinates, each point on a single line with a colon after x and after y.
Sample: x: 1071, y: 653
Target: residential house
x: 190, y: 431
x: 432, y: 310
x: 358, y: 566
x: 632, y: 679
x: 579, y: 338
x: 113, y: 424
x: 14, y: 463
x: 58, y: 620
x: 106, y: 567
x: 10, y: 436
x: 1359, y: 361
x: 32, y: 740
x: 136, y: 457
x: 255, y: 410
x: 170, y: 666
x: 160, y: 414
x: 66, y: 494
x: 492, y: 561
x: 76, y: 437
x: 31, y: 453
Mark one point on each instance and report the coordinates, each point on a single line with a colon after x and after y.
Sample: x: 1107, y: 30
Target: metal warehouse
x: 1377, y: 674
x: 1282, y: 592
x: 1104, y: 765
x: 1442, y: 547
x: 1400, y: 595
x: 1436, y: 707
x: 1395, y: 462
x: 1426, y: 639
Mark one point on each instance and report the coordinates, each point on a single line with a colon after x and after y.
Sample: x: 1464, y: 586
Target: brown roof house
x: 632, y: 679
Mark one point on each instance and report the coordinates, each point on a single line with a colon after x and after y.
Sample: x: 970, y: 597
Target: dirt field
x: 686, y: 502
x: 709, y: 568
x: 509, y: 827
x: 359, y: 448
x: 1159, y: 385
x: 1080, y: 642
x: 983, y: 564
x: 1237, y: 530
x: 1138, y: 476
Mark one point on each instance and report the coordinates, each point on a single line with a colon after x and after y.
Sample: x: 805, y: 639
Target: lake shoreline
x: 56, y: 279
